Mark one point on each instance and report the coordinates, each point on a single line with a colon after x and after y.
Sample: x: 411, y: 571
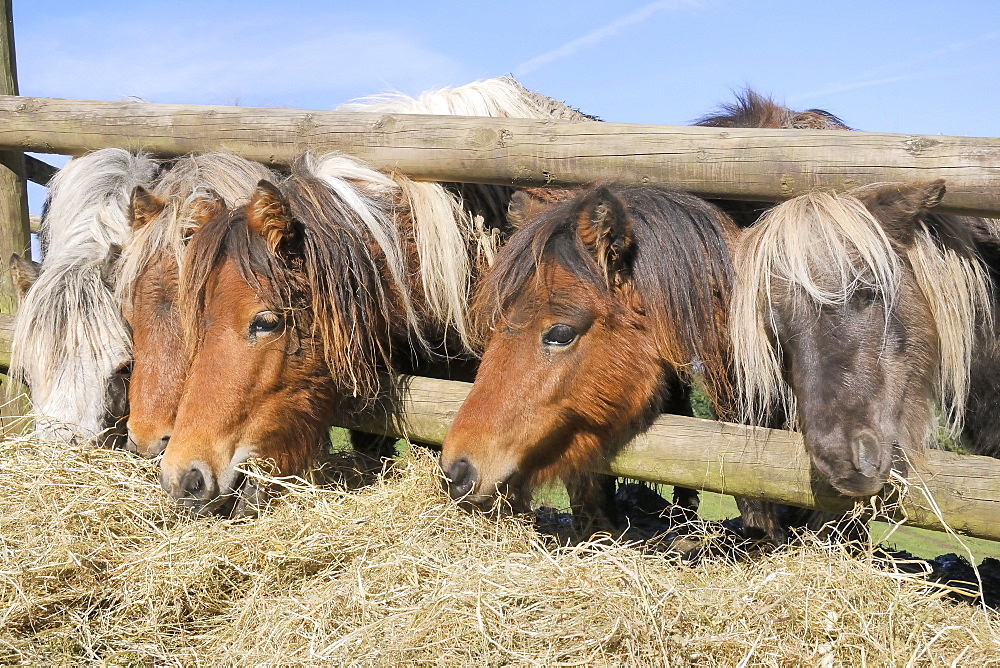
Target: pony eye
x: 265, y: 322
x: 559, y: 335
x: 124, y: 370
x: 866, y: 296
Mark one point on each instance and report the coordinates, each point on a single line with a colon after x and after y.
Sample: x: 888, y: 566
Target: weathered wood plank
x: 740, y: 164
x: 6, y: 338
x: 14, y: 233
x: 38, y: 171
x: 743, y: 461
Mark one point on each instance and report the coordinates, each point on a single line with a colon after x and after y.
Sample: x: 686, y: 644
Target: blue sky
x: 908, y: 67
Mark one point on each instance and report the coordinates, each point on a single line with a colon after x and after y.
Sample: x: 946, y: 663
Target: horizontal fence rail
x: 714, y: 162
x: 734, y: 459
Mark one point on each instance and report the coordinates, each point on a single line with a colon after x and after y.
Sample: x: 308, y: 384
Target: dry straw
x: 98, y: 567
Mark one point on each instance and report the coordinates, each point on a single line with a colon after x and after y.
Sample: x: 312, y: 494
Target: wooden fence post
x: 14, y: 233
x: 15, y: 236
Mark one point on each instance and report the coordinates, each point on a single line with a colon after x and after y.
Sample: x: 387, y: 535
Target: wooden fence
x: 962, y: 491
x: 738, y: 164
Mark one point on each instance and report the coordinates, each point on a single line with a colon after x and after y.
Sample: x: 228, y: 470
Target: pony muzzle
x: 460, y: 479
x: 866, y: 471
x: 146, y: 447
x: 197, y: 488
x: 465, y: 485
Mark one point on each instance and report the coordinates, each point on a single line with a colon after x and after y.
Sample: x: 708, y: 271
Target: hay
x: 97, y: 566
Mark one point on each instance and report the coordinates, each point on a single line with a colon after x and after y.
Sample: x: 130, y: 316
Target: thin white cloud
x: 934, y: 54
x: 601, y: 34
x: 252, y: 60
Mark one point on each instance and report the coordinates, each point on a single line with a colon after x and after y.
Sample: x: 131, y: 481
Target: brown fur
x: 292, y: 316
x: 641, y: 276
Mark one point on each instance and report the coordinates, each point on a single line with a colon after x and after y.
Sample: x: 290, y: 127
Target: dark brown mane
x: 329, y: 274
x: 679, y: 265
x: 753, y: 110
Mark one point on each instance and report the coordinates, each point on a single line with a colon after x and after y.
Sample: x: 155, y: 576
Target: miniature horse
x: 596, y: 314
x: 853, y: 314
x: 885, y: 237
x: 70, y: 343
x: 294, y: 312
x: 193, y: 190
x: 305, y: 303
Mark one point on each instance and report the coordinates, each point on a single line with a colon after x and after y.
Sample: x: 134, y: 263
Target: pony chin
x: 506, y: 478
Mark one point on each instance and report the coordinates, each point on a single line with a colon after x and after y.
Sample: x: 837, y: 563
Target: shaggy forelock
x: 825, y: 246
x: 189, y: 180
x: 69, y: 336
x: 332, y: 286
x: 680, y: 268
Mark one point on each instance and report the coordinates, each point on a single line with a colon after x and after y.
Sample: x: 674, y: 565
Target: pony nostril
x: 160, y: 446
x: 460, y: 478
x: 867, y: 455
x: 195, y: 485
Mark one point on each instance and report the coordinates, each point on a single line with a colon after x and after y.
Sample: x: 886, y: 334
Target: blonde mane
x: 189, y: 180
x: 835, y: 235
x: 372, y: 196
x: 957, y: 290
x: 453, y: 243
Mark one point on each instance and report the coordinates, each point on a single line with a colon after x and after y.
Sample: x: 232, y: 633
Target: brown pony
x: 195, y: 189
x: 306, y: 302
x: 596, y: 314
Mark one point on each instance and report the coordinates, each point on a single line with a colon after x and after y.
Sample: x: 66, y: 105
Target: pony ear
x: 604, y: 228
x: 523, y: 207
x: 207, y: 207
x: 24, y: 273
x: 143, y: 207
x: 899, y: 206
x: 269, y: 215
x: 529, y: 203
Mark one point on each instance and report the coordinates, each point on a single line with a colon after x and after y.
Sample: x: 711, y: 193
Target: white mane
x: 69, y: 335
x: 189, y: 179
x: 451, y: 241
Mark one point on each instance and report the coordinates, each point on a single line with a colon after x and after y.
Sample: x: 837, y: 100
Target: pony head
x: 854, y: 314
x: 71, y: 346
x: 593, y: 315
x: 288, y: 318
